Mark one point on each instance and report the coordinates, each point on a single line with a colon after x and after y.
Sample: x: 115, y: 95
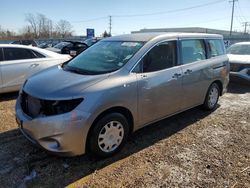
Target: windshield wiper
x: 77, y: 70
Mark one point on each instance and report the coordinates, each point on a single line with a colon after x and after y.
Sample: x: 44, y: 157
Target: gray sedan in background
x: 119, y: 85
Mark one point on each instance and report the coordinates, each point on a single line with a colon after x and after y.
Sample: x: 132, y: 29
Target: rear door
x: 197, y: 72
x: 18, y: 64
x: 159, y: 83
x: 218, y: 60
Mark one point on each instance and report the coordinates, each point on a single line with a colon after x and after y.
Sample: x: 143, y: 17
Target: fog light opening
x: 54, y: 145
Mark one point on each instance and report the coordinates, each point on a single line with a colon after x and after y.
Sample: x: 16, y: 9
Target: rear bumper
x: 64, y: 134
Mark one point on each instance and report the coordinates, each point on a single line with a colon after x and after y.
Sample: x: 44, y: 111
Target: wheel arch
x: 219, y: 83
x: 118, y: 109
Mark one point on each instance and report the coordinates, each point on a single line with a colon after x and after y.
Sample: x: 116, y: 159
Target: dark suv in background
x: 69, y: 47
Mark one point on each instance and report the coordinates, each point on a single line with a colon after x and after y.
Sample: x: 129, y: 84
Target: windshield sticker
x: 130, y: 44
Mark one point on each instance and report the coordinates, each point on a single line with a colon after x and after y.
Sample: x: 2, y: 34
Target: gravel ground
x: 191, y: 149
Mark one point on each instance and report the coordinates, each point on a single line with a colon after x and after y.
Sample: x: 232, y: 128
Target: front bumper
x: 64, y: 134
x: 241, y: 76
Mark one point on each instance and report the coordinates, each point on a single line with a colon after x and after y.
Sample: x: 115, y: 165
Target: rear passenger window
x: 18, y: 54
x: 192, y: 50
x: 215, y: 47
x: 160, y: 57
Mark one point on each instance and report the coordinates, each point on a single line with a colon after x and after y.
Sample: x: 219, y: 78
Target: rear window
x: 62, y: 44
x: 215, y: 47
x: 80, y: 45
x: 239, y: 49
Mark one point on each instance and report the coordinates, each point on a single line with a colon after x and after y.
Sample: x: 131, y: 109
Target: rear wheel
x: 108, y: 135
x: 212, y: 97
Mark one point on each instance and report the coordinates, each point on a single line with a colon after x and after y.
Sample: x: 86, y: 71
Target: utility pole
x: 232, y: 17
x: 110, y: 24
x: 245, y: 24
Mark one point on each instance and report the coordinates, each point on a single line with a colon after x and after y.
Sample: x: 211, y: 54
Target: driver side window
x: 160, y: 57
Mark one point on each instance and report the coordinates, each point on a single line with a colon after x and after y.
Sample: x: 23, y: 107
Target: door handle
x: 188, y: 71
x: 34, y: 65
x: 144, y: 76
x: 176, y: 75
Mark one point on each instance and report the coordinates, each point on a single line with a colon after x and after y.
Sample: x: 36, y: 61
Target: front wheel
x: 212, y: 97
x: 108, y: 135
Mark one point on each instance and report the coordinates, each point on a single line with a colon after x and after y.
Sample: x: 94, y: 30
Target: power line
x: 170, y: 11
x: 240, y: 10
x: 245, y: 24
x: 90, y: 20
x: 207, y: 21
x: 239, y: 18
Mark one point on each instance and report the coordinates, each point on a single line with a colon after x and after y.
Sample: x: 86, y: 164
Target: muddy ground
x: 192, y: 149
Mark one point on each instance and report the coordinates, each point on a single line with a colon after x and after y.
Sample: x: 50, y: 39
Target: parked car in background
x: 47, y: 44
x: 25, y: 42
x: 18, y: 62
x: 239, y: 58
x: 120, y: 84
x: 92, y: 41
x: 72, y: 48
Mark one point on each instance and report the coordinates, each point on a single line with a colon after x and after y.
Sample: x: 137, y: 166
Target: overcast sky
x: 127, y: 15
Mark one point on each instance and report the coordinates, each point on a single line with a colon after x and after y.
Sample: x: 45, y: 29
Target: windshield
x: 103, y: 57
x: 239, y: 49
x: 61, y: 45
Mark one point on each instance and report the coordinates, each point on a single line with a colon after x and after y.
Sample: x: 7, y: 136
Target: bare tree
x: 31, y: 19
x: 41, y: 26
x: 26, y: 33
x: 45, y: 26
x: 64, y: 28
x: 7, y: 34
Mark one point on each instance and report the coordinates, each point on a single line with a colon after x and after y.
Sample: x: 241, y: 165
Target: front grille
x: 30, y: 105
x: 236, y: 67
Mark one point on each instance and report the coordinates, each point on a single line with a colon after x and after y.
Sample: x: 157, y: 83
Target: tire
x: 212, y: 97
x: 108, y: 135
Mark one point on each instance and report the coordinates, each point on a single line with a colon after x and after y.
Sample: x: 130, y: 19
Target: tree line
x: 39, y: 27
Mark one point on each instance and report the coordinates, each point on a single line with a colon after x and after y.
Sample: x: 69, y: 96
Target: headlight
x: 21, y: 88
x: 59, y: 107
x: 35, y: 107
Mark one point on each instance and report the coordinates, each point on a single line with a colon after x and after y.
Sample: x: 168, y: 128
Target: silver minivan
x: 117, y: 86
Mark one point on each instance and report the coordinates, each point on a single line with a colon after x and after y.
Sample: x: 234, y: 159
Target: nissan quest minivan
x: 118, y: 85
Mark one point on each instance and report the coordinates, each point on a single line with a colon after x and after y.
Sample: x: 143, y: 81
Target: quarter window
x: 160, y: 57
x: 192, y: 50
x: 215, y: 47
x: 18, y: 53
x: 38, y: 55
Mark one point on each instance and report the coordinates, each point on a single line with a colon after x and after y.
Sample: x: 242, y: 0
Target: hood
x: 54, y: 50
x: 242, y: 59
x: 55, y: 83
